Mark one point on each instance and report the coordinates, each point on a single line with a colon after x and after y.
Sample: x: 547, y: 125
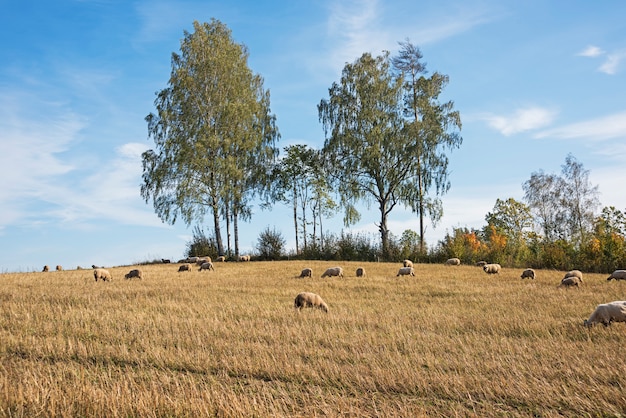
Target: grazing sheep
x: 59, y: 268
x: 191, y: 259
x: 46, y: 268
x: 165, y: 261
x: 568, y: 282
x: 492, y: 268
x: 406, y: 271
x: 221, y: 258
x: 184, y: 267
x: 309, y: 300
x: 606, y: 313
x: 574, y: 273
x: 206, y: 266
x: 203, y: 260
x: 481, y: 263
x: 360, y: 272
x: 103, y: 274
x: 528, y: 273
x: 307, y: 272
x: 407, y: 263
x: 134, y: 273
x: 617, y: 275
x: 453, y: 262
x: 244, y: 258
x: 332, y: 272
x: 93, y: 266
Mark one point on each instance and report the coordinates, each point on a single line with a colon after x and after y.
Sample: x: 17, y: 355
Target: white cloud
x: 591, y: 51
x: 522, y: 120
x: 607, y: 127
x: 612, y: 63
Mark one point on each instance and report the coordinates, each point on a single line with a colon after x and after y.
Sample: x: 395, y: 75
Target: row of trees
x: 387, y: 135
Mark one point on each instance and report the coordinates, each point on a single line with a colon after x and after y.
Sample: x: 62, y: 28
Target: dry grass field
x: 452, y: 341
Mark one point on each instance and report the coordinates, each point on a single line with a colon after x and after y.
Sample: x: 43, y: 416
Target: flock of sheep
x: 603, y: 314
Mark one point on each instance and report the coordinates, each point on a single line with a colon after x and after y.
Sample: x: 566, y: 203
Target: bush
x: 271, y: 244
x: 201, y: 244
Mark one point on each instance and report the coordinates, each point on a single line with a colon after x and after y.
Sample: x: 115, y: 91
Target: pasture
x: 452, y: 341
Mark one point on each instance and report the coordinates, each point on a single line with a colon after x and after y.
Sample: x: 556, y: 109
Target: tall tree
x: 580, y: 199
x: 212, y: 129
x: 544, y: 192
x: 433, y: 126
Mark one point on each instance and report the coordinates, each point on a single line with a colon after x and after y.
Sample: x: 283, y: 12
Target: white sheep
x: 574, y: 273
x: 134, y: 273
x: 493, y: 268
x: 103, y: 274
x: 571, y: 281
x: 617, y: 275
x: 406, y: 271
x: 333, y: 272
x: 309, y: 300
x: 528, y: 273
x: 59, y: 268
x: 184, y: 267
x: 46, y: 268
x: 221, y: 258
x: 244, y: 258
x: 307, y: 272
x: 360, y: 272
x: 191, y: 259
x: 606, y: 313
x: 453, y: 262
x: 207, y: 266
x: 407, y: 263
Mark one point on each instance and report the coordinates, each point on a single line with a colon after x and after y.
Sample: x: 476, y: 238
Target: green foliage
x: 201, y: 244
x: 270, y: 244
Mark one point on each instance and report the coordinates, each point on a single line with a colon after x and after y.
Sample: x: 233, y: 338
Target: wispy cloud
x: 612, y: 62
x: 521, y: 120
x: 607, y: 127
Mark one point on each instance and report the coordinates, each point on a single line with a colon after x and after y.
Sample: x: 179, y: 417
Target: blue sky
x: 533, y: 81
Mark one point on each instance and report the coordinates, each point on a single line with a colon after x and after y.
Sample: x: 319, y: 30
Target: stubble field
x: 452, y: 341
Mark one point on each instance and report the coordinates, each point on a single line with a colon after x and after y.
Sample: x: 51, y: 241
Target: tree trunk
x: 295, y: 218
x: 236, y: 231
x: 216, y: 226
x: 227, y: 217
x: 384, y: 232
x: 421, y: 209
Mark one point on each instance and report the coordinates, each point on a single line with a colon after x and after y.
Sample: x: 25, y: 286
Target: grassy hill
x: 452, y: 341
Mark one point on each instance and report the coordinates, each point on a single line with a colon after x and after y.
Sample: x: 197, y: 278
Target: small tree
x: 271, y: 244
x: 201, y: 244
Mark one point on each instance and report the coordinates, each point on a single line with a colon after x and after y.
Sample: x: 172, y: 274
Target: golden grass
x: 452, y: 341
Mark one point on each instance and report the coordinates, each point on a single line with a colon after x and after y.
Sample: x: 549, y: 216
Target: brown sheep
x: 206, y: 266
x: 134, y: 273
x: 481, y: 263
x: 309, y: 300
x: 528, y: 273
x: 572, y: 281
x: 307, y: 272
x: 102, y: 274
x: 333, y: 272
x: 360, y: 272
x: 184, y: 267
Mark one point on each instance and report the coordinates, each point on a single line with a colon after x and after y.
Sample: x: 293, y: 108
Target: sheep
x: 307, y: 272
x: 134, y: 273
x: 103, y: 274
x: 568, y: 282
x: 93, y: 266
x: 184, y: 267
x: 481, y: 263
x: 453, y: 262
x: 59, y: 268
x: 191, y: 259
x: 617, y: 275
x: 406, y: 271
x: 309, y: 300
x: 605, y: 313
x: 360, y: 272
x: 203, y: 260
x: 207, y: 266
x: 528, y: 273
x: 492, y: 268
x: 332, y: 272
x: 221, y: 259
x: 79, y: 268
x: 407, y: 263
x: 574, y: 273
x: 244, y: 258
x: 165, y: 261
x: 46, y: 268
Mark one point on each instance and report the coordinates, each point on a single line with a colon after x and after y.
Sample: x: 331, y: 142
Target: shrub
x: 270, y: 244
